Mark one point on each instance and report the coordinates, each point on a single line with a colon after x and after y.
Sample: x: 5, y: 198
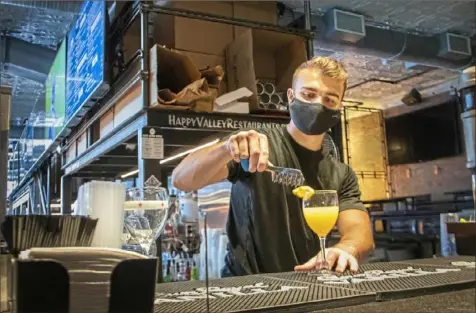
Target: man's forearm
x: 361, y: 243
x: 202, y: 168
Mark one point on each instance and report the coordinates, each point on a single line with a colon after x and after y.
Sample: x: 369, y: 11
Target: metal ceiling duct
x: 18, y: 71
x: 39, y: 22
x: 34, y: 29
x: 60, y: 6
x: 28, y: 56
x: 25, y: 95
x: 25, y: 69
x: 391, y: 45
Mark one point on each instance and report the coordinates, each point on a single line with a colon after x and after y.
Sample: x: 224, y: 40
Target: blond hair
x: 327, y: 66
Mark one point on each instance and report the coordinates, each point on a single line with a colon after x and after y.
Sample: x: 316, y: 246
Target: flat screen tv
x: 424, y: 135
x: 55, y: 94
x: 86, y: 57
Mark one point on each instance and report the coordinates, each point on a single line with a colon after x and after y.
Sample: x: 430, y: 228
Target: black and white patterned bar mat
x: 463, y: 262
x: 392, y: 280
x: 256, y: 294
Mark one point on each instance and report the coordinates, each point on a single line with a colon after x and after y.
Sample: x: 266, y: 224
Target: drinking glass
x: 321, y: 212
x: 146, y: 213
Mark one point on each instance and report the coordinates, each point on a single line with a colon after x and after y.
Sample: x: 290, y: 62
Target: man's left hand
x: 341, y: 256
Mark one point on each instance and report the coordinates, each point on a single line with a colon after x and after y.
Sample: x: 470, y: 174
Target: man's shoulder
x: 271, y: 131
x: 335, y: 168
x: 268, y: 131
x: 332, y: 161
x: 275, y: 135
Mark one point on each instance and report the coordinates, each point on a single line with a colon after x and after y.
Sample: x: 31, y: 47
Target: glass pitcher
x: 146, y: 211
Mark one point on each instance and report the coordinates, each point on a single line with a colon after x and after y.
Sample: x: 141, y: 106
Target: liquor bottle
x: 167, y: 277
x: 187, y: 271
x: 173, y: 274
x: 177, y: 272
x: 194, y: 272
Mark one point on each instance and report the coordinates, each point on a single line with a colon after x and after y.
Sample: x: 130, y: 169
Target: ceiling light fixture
x: 182, y: 154
x: 131, y: 173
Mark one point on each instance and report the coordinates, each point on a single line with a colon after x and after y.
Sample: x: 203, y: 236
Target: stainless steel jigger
x: 281, y: 175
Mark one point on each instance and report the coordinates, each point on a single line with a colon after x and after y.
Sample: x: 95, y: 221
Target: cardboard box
x: 257, y: 11
x: 263, y: 55
x: 192, y: 34
x: 222, y: 8
x: 174, y: 70
x: 231, y: 102
x: 202, y: 60
x: 236, y: 107
x: 208, y: 37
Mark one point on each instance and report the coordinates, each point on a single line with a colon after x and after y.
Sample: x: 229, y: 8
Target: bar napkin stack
x: 89, y: 272
x: 26, y: 231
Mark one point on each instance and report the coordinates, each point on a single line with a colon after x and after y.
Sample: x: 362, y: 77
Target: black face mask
x: 313, y: 118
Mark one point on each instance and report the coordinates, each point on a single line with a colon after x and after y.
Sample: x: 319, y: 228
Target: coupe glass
x: 321, y: 212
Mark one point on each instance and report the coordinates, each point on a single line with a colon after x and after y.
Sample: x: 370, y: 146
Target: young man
x: 266, y: 228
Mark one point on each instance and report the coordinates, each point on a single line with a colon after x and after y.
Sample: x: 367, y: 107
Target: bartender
x: 266, y: 229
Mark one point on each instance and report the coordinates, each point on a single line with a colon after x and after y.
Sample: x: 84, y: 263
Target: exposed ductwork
x: 31, y: 32
x: 19, y: 71
x: 389, y: 44
x: 40, y: 22
x: 25, y: 71
x: 59, y: 7
x: 29, y: 56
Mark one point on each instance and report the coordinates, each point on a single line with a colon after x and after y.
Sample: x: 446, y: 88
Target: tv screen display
x: 55, y: 94
x: 424, y: 135
x: 86, y: 57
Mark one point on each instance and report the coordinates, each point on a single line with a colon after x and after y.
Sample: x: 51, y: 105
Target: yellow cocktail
x: 321, y: 219
x: 320, y: 210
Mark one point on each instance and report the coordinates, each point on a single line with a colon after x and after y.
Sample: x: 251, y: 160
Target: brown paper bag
x: 195, y: 92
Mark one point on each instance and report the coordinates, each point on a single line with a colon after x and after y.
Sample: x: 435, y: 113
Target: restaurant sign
x: 222, y: 292
x: 218, y: 122
x: 215, y: 121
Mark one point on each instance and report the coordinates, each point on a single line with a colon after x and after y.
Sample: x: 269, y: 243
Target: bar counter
x: 425, y: 285
x: 456, y: 301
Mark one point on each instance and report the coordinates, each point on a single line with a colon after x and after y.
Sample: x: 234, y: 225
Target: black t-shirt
x: 266, y: 228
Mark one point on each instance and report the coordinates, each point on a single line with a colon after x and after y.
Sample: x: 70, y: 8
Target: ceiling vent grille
x: 344, y: 26
x: 455, y: 47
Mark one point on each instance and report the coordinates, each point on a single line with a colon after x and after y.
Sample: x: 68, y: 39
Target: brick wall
x: 434, y: 178
x: 367, y: 157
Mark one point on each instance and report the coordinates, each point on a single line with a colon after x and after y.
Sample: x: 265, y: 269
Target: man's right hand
x: 249, y: 145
